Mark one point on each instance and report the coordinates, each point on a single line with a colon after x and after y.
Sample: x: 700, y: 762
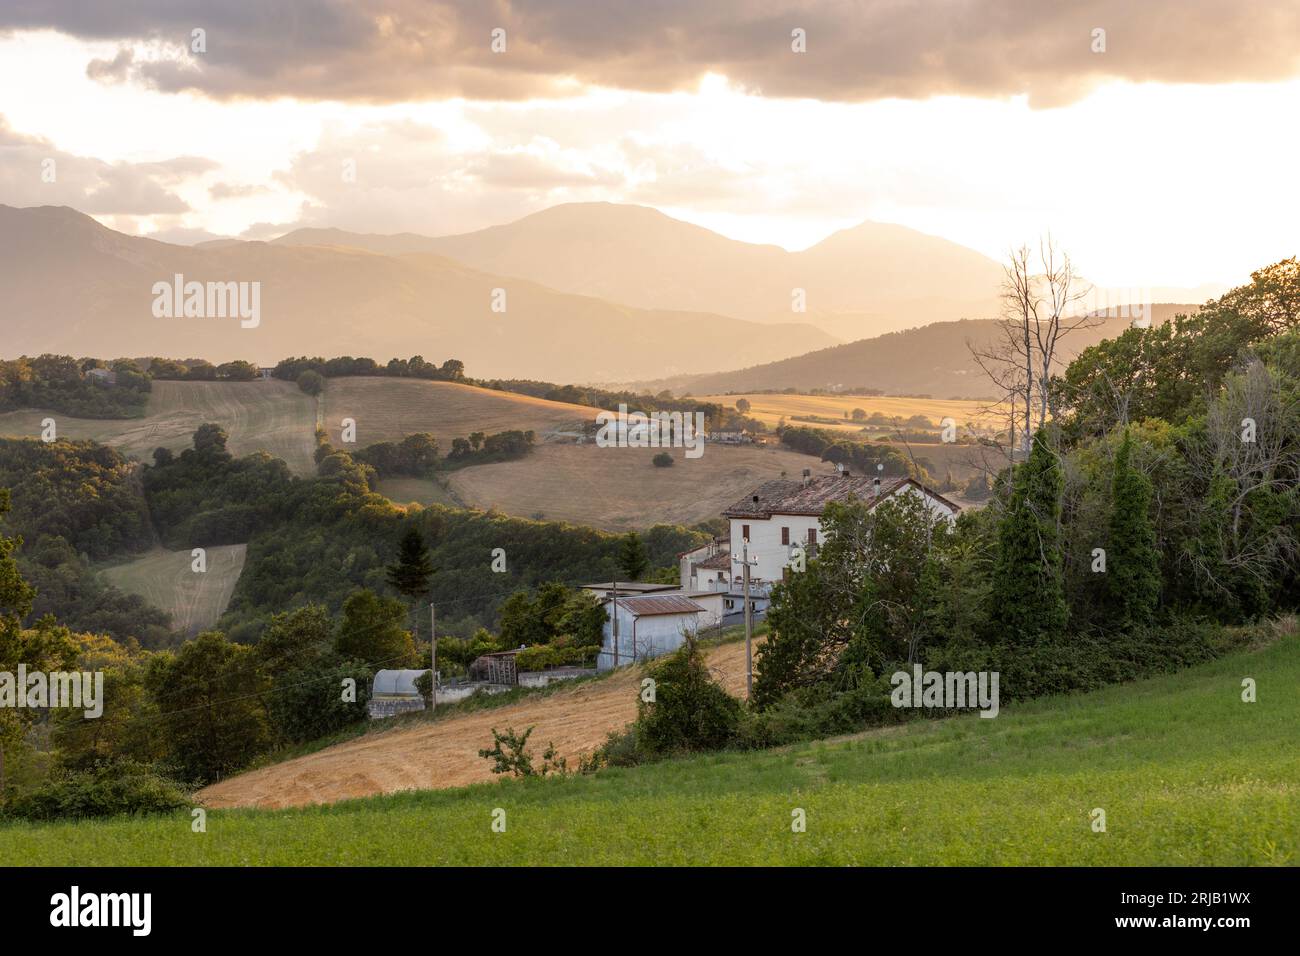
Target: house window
x: 812, y: 535
x: 744, y: 531
x: 785, y: 535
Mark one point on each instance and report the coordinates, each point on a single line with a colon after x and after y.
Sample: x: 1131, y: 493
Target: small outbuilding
x: 649, y: 626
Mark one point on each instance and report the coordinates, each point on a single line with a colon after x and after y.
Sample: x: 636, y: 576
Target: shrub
x: 509, y: 754
x: 690, y: 712
x: 663, y: 460
x: 814, y: 712
x: 1087, y: 660
x: 620, y: 749
x: 110, y: 789
x: 313, y: 383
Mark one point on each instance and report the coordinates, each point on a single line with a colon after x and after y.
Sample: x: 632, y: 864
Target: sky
x: 1156, y: 142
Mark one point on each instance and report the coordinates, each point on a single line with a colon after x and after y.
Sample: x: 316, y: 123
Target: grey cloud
x: 386, y: 50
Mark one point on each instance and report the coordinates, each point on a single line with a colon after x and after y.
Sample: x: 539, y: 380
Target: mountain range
x: 582, y: 292
x: 873, y: 278
x: 72, y: 285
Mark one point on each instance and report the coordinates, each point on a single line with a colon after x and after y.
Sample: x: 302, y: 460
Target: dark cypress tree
x: 632, y: 560
x: 410, y: 575
x: 1133, y: 561
x: 1028, y: 593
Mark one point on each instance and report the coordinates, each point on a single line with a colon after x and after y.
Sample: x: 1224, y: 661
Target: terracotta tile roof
x: 793, y: 497
x: 719, y: 562
x: 649, y: 606
x: 719, y: 542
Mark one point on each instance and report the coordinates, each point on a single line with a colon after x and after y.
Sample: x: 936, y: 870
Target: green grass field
x: 1186, y: 772
x: 167, y: 580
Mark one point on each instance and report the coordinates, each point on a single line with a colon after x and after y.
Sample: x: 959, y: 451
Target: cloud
x: 33, y: 171
x: 857, y: 50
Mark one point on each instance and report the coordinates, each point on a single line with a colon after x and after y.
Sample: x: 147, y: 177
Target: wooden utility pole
x: 433, y: 662
x: 749, y: 623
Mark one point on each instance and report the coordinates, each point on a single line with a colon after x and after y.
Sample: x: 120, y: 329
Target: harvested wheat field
x: 270, y: 416
x: 620, y: 489
x: 770, y: 409
x: 389, y: 409
x: 444, y: 753
x: 166, y: 579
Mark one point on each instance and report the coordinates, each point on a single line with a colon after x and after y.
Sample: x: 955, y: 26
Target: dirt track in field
x: 445, y: 753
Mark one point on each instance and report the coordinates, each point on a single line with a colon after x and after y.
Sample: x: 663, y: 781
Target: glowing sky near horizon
x: 1144, y: 184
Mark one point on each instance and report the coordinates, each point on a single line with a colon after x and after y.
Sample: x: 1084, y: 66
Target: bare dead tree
x: 1251, y: 440
x: 1058, y: 315
x: 1040, y: 307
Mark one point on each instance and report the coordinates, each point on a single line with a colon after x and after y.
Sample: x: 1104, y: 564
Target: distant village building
x: 102, y: 376
x: 730, y: 437
x: 264, y: 372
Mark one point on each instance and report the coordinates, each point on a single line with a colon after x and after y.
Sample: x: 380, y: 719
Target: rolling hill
x: 74, y: 286
x: 389, y: 409
x: 933, y: 360
x: 615, y: 489
x: 274, y: 417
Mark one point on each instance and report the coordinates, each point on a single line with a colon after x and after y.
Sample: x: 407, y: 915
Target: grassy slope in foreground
x: 1186, y: 772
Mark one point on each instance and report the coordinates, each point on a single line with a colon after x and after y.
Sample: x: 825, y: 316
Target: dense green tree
x: 632, y: 559
x: 210, y: 440
x: 1028, y: 594
x: 864, y: 602
x: 237, y: 371
x: 211, y: 715
x: 15, y: 593
x: 410, y: 574
x: 295, y: 638
x: 311, y: 382
x: 371, y: 632
x: 1132, y: 560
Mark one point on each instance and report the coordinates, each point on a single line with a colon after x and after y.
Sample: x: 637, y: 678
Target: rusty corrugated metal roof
x: 656, y: 604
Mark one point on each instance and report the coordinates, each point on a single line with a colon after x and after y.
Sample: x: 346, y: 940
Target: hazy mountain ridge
x: 858, y: 281
x: 931, y: 360
x: 73, y: 285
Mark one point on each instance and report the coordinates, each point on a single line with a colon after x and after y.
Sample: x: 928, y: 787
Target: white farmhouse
x: 780, y: 514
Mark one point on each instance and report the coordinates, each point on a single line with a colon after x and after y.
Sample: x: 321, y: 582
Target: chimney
x: 755, y: 499
x: 875, y: 486
x: 848, y: 473
x: 807, y: 477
